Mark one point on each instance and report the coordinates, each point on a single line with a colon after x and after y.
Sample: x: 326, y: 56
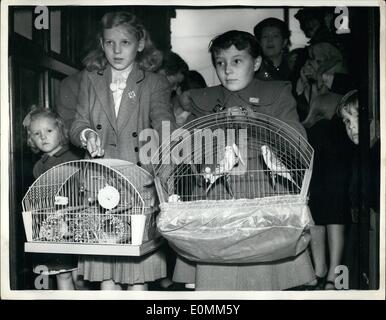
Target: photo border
x: 6, y: 293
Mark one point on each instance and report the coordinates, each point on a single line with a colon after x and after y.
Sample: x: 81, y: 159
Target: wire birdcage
x: 231, y: 177
x: 102, y: 206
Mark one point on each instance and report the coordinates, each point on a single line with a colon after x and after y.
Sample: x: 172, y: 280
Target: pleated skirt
x: 123, y: 270
x: 280, y: 275
x: 51, y: 264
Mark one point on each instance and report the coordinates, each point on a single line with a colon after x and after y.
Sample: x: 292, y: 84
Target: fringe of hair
x: 37, y: 113
x: 150, y: 59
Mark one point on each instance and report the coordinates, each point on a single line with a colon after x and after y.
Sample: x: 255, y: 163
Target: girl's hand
x: 94, y: 144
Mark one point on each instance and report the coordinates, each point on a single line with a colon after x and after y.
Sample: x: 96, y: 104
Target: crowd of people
x: 129, y: 85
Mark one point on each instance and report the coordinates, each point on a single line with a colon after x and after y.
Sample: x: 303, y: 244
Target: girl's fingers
x: 92, y: 147
x: 99, y: 151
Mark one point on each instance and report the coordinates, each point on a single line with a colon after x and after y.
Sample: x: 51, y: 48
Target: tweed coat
x: 145, y: 104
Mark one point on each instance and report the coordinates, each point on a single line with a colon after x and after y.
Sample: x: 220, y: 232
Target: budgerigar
x: 231, y: 158
x: 275, y: 165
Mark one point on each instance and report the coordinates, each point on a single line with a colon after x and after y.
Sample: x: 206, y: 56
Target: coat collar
x: 250, y: 95
x: 101, y: 81
x: 258, y: 93
x: 63, y: 150
x: 136, y: 74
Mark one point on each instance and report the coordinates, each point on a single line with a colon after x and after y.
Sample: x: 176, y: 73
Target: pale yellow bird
x: 276, y: 166
x: 231, y: 158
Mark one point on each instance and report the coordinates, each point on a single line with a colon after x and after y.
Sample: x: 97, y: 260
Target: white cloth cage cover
x: 91, y: 202
x: 267, y: 220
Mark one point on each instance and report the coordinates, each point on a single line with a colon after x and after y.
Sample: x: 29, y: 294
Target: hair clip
x: 27, y: 118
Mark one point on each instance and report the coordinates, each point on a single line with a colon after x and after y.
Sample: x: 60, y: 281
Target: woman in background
x: 273, y: 37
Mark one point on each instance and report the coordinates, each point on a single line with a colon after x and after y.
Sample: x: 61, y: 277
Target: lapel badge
x: 131, y: 94
x: 254, y: 100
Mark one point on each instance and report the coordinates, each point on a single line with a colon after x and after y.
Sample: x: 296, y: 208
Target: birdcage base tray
x: 92, y: 249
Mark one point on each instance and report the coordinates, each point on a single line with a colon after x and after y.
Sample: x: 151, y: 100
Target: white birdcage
x: 102, y: 207
x: 234, y: 189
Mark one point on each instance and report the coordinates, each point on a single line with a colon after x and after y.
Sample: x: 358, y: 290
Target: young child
x: 47, y: 134
x: 330, y: 177
x: 236, y: 57
x: 117, y: 100
x: 348, y: 110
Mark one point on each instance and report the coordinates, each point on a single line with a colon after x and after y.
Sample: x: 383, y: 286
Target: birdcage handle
x: 239, y: 111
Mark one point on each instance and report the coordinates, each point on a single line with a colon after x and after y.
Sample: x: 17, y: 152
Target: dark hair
x: 38, y: 113
x: 172, y: 64
x: 240, y: 39
x: 193, y: 80
x: 349, y: 100
x: 272, y: 22
x: 95, y: 59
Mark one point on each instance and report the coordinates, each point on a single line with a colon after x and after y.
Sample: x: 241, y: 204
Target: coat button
x: 135, y: 134
x: 136, y: 149
x: 99, y: 126
x: 139, y: 164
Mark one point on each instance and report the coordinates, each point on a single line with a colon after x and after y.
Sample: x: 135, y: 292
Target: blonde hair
x: 147, y: 59
x: 348, y: 101
x: 39, y: 113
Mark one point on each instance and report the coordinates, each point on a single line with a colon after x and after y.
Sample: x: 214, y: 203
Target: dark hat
x: 272, y: 22
x: 310, y: 13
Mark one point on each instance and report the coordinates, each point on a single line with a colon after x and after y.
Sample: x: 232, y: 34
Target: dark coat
x: 273, y: 98
x: 46, y: 162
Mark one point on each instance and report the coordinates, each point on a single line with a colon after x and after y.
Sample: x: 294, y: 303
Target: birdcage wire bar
x: 89, y: 202
x: 291, y: 151
x: 234, y: 188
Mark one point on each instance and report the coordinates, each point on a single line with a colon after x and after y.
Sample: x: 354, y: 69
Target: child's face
x: 120, y: 47
x: 235, y: 68
x: 350, y: 119
x: 272, y: 42
x: 45, y: 135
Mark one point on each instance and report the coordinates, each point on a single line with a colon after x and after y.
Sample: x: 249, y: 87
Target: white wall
x: 298, y: 38
x: 192, y: 31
